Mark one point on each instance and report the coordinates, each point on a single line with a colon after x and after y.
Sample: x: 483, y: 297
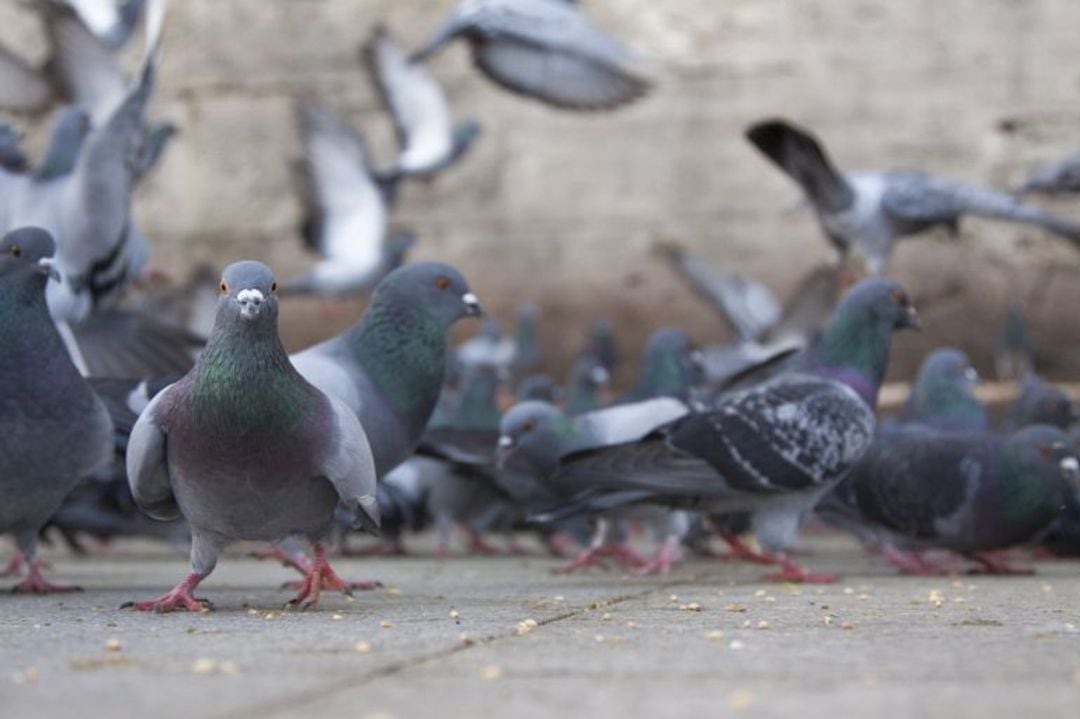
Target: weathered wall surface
x: 563, y: 209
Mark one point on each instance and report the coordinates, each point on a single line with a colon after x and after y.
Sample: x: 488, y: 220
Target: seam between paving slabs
x: 296, y: 701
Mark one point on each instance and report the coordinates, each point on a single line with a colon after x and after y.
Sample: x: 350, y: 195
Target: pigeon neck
x: 28, y: 329
x: 664, y: 375
x: 855, y: 350
x: 946, y: 405
x: 1029, y: 496
x: 403, y: 350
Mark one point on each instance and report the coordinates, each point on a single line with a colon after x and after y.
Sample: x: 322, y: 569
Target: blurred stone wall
x: 563, y: 209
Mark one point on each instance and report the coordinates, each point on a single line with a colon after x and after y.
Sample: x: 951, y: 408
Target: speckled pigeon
x: 54, y: 430
x: 772, y: 450
x: 969, y: 492
x: 863, y: 214
x: 245, y: 448
x: 544, y: 49
x: 428, y: 141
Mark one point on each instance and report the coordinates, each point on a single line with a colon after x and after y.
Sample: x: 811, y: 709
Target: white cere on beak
x: 1070, y: 467
x: 250, y: 302
x: 971, y: 375
x: 472, y: 302
x: 506, y: 442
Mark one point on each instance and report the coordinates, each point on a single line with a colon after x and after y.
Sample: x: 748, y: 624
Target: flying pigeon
x: 546, y: 50
x: 245, y: 448
x: 54, y: 431
x: 1056, y: 178
x: 345, y: 211
x: 428, y: 141
x: 863, y: 214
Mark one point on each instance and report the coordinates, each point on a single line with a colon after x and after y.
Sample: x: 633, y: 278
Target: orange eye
x: 442, y: 283
x: 1045, y: 449
x: 527, y: 427
x: 224, y: 288
x: 16, y: 251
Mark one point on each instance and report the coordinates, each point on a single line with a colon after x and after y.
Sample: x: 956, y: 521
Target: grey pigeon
x: 245, y: 448
x: 863, y: 214
x: 54, y: 430
x: 1055, y: 178
x: 968, y: 492
x: 428, y: 141
x: 544, y: 49
x: 1040, y: 403
x: 1014, y: 350
x: 345, y: 211
x: 772, y: 450
x: 942, y: 395
x: 389, y: 368
x: 539, y: 386
x: 601, y: 344
x: 588, y: 378
x: 113, y: 23
x: 514, y: 355
x: 670, y: 367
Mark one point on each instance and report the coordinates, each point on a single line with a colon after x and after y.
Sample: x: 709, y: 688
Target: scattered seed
x: 763, y: 624
x: 392, y: 591
x: 337, y: 617
x: 849, y: 590
x: 847, y: 625
x: 363, y: 647
x: 607, y: 617
x: 735, y: 644
x: 631, y: 624
x: 386, y: 624
x: 112, y: 644
x: 691, y: 607
x: 735, y: 608
x: 491, y: 672
x: 526, y: 626
x: 714, y: 635
x: 454, y: 614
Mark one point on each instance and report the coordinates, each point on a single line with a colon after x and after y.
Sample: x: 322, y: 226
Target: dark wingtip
x: 768, y: 135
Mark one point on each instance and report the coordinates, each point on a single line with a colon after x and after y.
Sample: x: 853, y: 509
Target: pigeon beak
x: 251, y: 302
x: 506, y: 442
x: 971, y: 375
x: 1070, y: 469
x: 472, y: 305
x: 47, y: 267
x: 911, y: 319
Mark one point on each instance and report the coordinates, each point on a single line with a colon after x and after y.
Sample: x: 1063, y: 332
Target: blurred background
x: 564, y: 209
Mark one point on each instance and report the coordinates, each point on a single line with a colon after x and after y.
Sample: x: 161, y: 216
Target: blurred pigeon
x: 772, y: 450
x: 427, y: 140
x: 12, y: 158
x: 544, y: 49
x: 540, y: 387
x: 670, y: 367
x: 1061, y: 177
x: 865, y: 213
x: 601, y: 344
x: 245, y: 448
x: 55, y: 430
x: 388, y: 369
x: 1040, y: 403
x: 1014, y: 351
x: 467, y: 430
x: 345, y: 211
x: 511, y: 355
x: 943, y: 394
x: 1063, y: 537
x: 968, y: 492
x: 588, y: 377
x: 113, y: 24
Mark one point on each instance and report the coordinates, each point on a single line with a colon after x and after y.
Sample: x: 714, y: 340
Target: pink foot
x: 181, y: 598
x: 320, y: 577
x: 584, y: 560
x: 791, y: 572
x: 15, y: 565
x: 998, y: 563
x: 625, y: 556
x: 741, y: 552
x: 477, y: 545
x: 911, y: 563
x: 37, y: 584
x: 665, y: 558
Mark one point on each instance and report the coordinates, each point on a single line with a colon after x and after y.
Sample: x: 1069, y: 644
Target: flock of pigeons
x: 132, y: 410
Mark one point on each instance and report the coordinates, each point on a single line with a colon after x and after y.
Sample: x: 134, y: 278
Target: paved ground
x: 453, y: 638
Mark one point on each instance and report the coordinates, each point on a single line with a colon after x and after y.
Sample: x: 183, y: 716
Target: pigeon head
x: 535, y: 431
x: 1038, y: 465
x: 538, y: 387
x: 1041, y: 403
x: 248, y: 295
x: 943, y: 394
x: 856, y: 343
x: 439, y: 289
x: 26, y: 253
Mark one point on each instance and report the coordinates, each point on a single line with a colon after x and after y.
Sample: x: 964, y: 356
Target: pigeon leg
x: 669, y: 554
x: 477, y: 544
x: 997, y: 563
x: 560, y: 544
x: 792, y: 572
x: 739, y: 551
x: 322, y: 576
x: 585, y: 559
x: 625, y: 554
x: 15, y: 565
x: 910, y: 563
x: 34, y: 583
x: 181, y: 598
x: 289, y: 559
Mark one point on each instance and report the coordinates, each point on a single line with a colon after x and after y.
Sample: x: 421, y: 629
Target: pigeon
x: 670, y: 367
x: 388, y: 369
x: 1040, y: 403
x: 55, y: 431
x: 514, y: 355
x: 113, y: 24
x: 943, y: 394
x: 588, y: 378
x: 863, y: 214
x: 601, y: 345
x: 428, y: 141
x: 1063, y: 537
x: 1056, y: 178
x: 245, y: 448
x: 12, y: 158
x: 1014, y: 351
x: 539, y: 386
x: 546, y: 50
x: 772, y: 450
x: 345, y: 211
x: 970, y: 492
